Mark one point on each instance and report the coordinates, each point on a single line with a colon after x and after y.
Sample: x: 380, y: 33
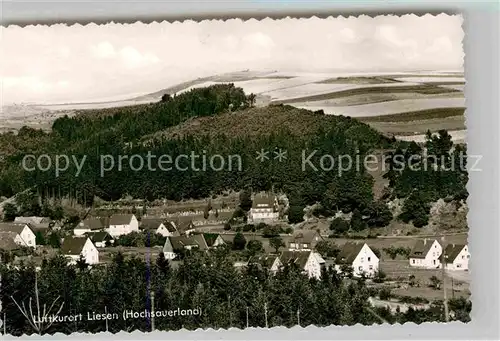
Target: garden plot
x: 386, y: 108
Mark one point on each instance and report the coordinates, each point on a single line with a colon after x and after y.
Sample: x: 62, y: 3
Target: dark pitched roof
x: 304, y: 236
x: 151, y: 223
x: 265, y: 261
x: 73, y: 245
x: 184, y: 224
x: 263, y: 200
x: 348, y: 253
x: 299, y: 258
x: 39, y: 227
x: 180, y: 242
x: 154, y: 224
x: 93, y: 224
x: 7, y: 242
x: 210, y: 238
x: 13, y: 227
x: 120, y: 219
x: 421, y: 248
x: 33, y: 220
x: 452, y: 251
x: 100, y: 236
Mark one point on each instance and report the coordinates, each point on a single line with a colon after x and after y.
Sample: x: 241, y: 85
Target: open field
x: 419, y: 127
x: 458, y: 136
x: 398, y: 107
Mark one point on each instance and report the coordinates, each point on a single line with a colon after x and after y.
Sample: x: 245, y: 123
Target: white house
x: 121, y: 224
x: 457, y: 257
x: 159, y: 226
x: 360, y: 257
x: 88, y: 225
x: 426, y: 254
x: 24, y: 234
x: 264, y: 209
x: 73, y: 247
x: 310, y: 263
x: 178, y: 244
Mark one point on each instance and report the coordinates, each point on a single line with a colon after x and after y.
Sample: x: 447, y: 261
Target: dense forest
x: 228, y: 297
x: 122, y: 131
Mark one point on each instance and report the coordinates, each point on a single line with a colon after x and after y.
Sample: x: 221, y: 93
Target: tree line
x: 228, y: 297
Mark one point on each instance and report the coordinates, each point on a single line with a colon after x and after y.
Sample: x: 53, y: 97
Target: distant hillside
x: 260, y: 122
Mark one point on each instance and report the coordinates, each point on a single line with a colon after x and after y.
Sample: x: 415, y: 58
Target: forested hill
x: 217, y: 120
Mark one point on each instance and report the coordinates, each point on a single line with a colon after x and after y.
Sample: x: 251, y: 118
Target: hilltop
x: 263, y: 121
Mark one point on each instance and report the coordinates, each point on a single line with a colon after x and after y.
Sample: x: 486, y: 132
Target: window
x: 463, y: 257
x: 369, y: 258
x: 360, y: 268
x: 362, y: 259
x: 459, y: 265
x: 468, y: 256
x: 413, y: 261
x: 305, y: 245
x: 434, y: 261
x: 371, y: 267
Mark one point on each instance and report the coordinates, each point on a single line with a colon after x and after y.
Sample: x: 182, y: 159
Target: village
x: 408, y: 271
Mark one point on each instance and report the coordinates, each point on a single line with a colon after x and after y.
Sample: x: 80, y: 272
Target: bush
x: 239, y: 241
x: 248, y: 228
x: 339, y: 225
x: 295, y: 214
x: 385, y: 294
x: 379, y: 276
x: 270, y: 231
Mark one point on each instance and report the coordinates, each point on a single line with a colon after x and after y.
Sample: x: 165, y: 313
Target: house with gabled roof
x: 304, y: 240
x: 24, y: 234
x: 360, y: 257
x: 265, y: 261
x: 310, y: 263
x: 90, y: 225
x: 7, y: 241
x: 176, y: 245
x: 32, y: 220
x: 159, y: 226
x: 184, y: 225
x: 73, y: 247
x: 426, y: 253
x: 100, y: 238
x: 264, y: 208
x: 122, y: 224
x: 457, y: 257
x: 213, y: 239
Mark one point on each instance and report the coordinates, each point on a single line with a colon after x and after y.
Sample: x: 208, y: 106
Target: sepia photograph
x: 233, y: 174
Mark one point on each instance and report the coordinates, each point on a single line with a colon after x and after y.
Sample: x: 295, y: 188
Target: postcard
x: 233, y: 174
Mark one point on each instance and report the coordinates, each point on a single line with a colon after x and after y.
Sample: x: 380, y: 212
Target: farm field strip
x: 418, y: 127
x: 456, y: 136
x: 388, y: 108
x: 437, y: 79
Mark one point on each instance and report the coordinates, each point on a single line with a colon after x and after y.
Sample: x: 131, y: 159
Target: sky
x: 61, y: 64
